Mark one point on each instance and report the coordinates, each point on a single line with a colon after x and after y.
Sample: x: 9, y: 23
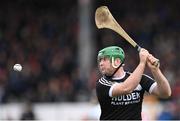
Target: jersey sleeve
x: 102, y: 89
x: 147, y: 83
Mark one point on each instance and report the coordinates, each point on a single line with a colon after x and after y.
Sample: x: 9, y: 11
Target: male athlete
x: 120, y: 93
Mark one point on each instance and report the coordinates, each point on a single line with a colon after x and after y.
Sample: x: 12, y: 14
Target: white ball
x: 17, y: 67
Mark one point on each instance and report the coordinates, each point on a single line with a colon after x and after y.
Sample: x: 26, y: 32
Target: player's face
x: 105, y: 66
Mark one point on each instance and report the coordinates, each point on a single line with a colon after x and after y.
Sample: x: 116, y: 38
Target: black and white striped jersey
x: 123, y: 107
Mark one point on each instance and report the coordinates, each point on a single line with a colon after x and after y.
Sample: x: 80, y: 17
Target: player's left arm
x: 162, y: 89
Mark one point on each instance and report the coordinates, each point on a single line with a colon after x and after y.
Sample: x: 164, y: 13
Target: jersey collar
x: 119, y: 78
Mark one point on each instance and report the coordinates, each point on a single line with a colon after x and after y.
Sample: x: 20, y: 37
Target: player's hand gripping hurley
x: 104, y: 19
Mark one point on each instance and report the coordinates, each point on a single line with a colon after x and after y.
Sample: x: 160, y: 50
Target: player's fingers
x: 151, y: 58
x: 154, y: 61
x: 143, y: 55
x: 144, y: 52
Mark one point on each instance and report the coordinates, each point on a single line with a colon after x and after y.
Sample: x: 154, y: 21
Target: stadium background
x: 56, y: 41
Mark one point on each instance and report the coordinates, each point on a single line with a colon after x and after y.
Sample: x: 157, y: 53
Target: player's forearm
x: 163, y: 87
x: 131, y: 82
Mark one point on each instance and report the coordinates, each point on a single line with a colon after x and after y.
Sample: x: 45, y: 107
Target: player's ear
x: 116, y: 62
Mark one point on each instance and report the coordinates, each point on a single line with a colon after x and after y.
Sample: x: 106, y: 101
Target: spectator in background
x: 28, y: 113
x: 170, y: 111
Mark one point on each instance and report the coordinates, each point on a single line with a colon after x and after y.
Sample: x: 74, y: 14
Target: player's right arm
x: 162, y: 88
x: 133, y: 80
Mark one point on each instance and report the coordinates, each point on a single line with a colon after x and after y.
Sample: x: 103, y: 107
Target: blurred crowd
x: 43, y: 37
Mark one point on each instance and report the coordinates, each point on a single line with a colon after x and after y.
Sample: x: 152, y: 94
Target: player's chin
x: 105, y: 73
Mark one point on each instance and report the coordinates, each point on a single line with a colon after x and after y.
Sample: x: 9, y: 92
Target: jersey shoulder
x: 105, y: 82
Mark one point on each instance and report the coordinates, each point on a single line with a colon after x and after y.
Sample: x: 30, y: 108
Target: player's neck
x: 120, y: 73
